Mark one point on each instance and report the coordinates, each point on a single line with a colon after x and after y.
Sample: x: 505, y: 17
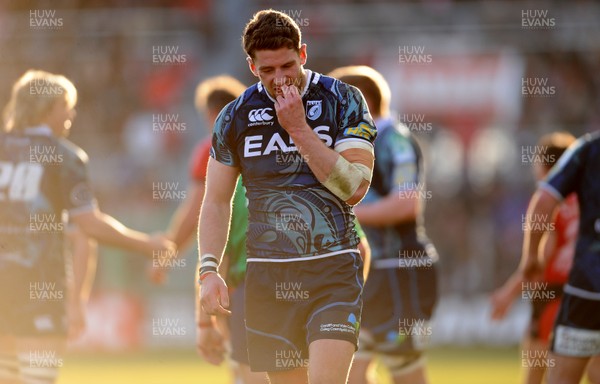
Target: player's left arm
x: 561, y: 181
x: 346, y: 173
x: 539, y: 215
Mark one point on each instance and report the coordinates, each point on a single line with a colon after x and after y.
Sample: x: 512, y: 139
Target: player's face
x: 60, y: 117
x: 277, y: 67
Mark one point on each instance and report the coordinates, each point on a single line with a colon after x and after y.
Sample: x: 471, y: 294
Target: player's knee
x: 9, y: 369
x: 39, y: 369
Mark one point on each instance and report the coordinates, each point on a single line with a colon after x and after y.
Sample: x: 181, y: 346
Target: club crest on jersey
x: 261, y: 116
x: 314, y: 109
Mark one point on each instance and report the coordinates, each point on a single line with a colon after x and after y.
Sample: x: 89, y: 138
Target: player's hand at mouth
x: 290, y: 110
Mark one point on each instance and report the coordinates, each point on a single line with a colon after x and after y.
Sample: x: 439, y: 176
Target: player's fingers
x: 224, y: 296
x: 219, y: 310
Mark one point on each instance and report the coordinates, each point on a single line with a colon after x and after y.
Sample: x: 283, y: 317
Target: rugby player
x: 303, y: 145
x: 401, y: 293
x: 43, y: 175
x: 575, y: 341
x: 557, y: 250
x: 212, y: 335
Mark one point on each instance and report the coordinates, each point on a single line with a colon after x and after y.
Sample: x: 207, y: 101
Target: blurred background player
x: 557, y: 249
x: 399, y: 297
x: 317, y: 180
x: 42, y: 176
x: 575, y: 340
x: 213, y: 333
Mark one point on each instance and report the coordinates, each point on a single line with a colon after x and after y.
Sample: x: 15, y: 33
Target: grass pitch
x: 446, y: 366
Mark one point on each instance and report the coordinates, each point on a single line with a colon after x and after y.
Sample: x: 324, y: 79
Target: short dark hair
x: 272, y: 30
x: 555, y: 143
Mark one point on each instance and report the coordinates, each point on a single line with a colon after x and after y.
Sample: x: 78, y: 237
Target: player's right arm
x: 215, y: 218
x: 109, y: 230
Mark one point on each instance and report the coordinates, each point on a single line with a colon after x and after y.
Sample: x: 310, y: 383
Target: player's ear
x: 252, y: 66
x: 302, y: 54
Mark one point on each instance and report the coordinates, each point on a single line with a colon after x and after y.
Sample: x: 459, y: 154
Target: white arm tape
x: 345, y: 144
x: 346, y: 177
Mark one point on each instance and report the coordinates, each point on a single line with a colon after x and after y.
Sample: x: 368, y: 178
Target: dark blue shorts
x: 237, y: 325
x: 398, y: 304
x: 291, y: 304
x: 577, y: 328
x: 33, y: 300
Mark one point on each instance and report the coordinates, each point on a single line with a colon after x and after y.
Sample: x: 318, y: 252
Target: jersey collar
x: 41, y: 130
x: 309, y: 79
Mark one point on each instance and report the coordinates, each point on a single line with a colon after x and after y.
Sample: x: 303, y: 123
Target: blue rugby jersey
x: 41, y: 176
x: 291, y: 214
x: 578, y: 170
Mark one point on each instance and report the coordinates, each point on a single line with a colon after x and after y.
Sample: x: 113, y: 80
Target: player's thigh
x: 593, y: 370
x: 40, y: 358
x: 329, y: 361
x: 566, y: 369
x: 9, y: 368
x: 292, y: 376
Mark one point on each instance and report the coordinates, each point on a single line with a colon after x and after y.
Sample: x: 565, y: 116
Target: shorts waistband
x: 305, y: 258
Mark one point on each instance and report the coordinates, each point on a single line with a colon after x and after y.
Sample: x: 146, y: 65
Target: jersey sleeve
x: 356, y: 123
x: 565, y: 175
x: 76, y: 191
x: 199, y: 161
x: 223, y: 146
